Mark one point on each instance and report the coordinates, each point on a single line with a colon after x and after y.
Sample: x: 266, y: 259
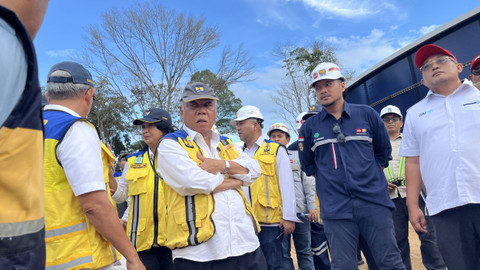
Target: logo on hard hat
x: 315, y: 75
x: 333, y: 68
x: 322, y: 72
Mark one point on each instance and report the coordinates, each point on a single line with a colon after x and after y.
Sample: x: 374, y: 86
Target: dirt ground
x: 415, y: 255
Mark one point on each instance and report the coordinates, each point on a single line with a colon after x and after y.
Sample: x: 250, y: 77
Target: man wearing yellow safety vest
x: 81, y: 225
x: 144, y: 186
x: 395, y: 173
x: 272, y: 195
x: 210, y: 224
x: 22, y: 230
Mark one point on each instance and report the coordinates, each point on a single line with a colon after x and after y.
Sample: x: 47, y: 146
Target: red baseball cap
x: 475, y: 62
x: 428, y: 50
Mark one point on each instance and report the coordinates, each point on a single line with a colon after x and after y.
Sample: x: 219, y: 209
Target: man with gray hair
x: 210, y: 224
x: 81, y: 223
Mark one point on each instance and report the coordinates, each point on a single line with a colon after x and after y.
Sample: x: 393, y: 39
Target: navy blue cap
x: 154, y: 115
x: 78, y: 72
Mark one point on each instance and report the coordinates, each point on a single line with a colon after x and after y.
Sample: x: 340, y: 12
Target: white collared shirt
x: 285, y: 179
x: 80, y: 155
x: 235, y: 234
x: 443, y: 131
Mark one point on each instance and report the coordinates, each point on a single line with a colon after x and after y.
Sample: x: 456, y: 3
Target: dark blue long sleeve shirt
x: 350, y: 169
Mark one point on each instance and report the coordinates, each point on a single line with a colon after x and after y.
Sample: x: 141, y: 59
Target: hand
x: 312, y: 215
x: 211, y: 165
x: 391, y: 187
x: 124, y: 224
x: 417, y: 218
x: 228, y: 183
x: 288, y: 226
x: 135, y: 265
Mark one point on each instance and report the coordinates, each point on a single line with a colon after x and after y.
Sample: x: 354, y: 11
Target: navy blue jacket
x: 350, y: 169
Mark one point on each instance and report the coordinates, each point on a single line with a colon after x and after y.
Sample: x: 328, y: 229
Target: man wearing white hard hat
x: 395, y: 173
x: 272, y: 194
x: 345, y: 146
x: 306, y: 206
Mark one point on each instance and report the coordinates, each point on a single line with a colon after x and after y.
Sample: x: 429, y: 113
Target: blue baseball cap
x: 79, y: 74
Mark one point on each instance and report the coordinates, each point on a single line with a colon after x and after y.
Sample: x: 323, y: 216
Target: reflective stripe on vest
x: 19, y: 228
x: 347, y: 138
x: 71, y: 264
x: 66, y: 230
x: 401, y: 171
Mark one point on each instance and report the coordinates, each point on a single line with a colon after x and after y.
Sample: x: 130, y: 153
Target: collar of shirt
x: 346, y: 111
x: 257, y: 144
x: 464, y: 85
x: 60, y: 108
x: 195, y: 136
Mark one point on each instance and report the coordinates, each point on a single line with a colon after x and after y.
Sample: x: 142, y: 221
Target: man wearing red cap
x: 474, y: 77
x: 441, y: 147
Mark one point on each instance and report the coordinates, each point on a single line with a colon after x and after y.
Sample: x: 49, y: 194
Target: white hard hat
x: 391, y: 109
x: 278, y: 126
x: 299, y: 121
x: 325, y: 71
x: 247, y: 112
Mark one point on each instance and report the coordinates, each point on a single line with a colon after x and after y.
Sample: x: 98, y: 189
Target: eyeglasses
x: 476, y: 71
x: 338, y: 131
x: 388, y: 119
x: 439, y: 61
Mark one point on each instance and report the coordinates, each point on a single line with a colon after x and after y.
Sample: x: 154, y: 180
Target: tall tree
x: 227, y: 103
x: 145, y: 50
x: 294, y: 95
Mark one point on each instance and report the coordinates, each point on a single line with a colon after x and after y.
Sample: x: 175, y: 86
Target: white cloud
x: 66, y: 53
x: 362, y: 52
x: 427, y: 29
x: 352, y: 8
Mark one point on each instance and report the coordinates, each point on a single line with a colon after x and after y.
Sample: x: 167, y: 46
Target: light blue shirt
x: 13, y: 70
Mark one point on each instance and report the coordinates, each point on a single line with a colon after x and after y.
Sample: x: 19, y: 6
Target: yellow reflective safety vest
x: 401, y: 171
x: 265, y: 191
x: 21, y: 159
x: 72, y: 242
x: 107, y: 160
x: 146, y: 216
x: 189, y: 218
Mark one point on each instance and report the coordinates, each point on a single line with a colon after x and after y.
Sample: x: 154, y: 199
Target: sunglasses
x: 388, y: 119
x: 476, y: 71
x: 338, y: 131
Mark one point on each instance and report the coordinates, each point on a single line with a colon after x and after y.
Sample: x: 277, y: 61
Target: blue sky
x: 363, y: 32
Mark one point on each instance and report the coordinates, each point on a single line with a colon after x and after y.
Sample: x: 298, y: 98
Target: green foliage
x: 227, y: 103
x: 109, y: 114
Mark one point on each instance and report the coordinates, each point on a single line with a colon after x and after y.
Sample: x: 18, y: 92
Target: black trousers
x: 157, y: 258
x: 458, y: 236
x: 250, y: 261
